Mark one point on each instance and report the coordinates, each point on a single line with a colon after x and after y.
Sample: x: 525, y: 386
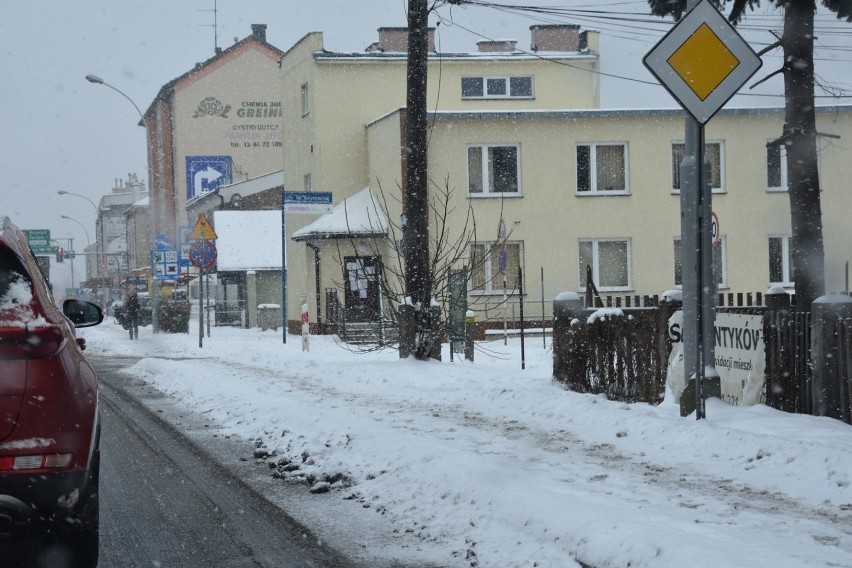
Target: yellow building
x: 574, y: 185
x: 601, y: 188
x: 332, y: 99
x: 517, y: 141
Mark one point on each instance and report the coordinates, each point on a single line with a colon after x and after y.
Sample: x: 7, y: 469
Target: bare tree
x: 451, y: 244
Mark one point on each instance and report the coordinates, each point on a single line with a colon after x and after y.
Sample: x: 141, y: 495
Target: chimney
x: 496, y: 46
x: 258, y: 31
x: 557, y: 37
x: 396, y: 40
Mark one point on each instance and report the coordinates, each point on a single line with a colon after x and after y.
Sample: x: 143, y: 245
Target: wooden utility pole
x: 418, y: 278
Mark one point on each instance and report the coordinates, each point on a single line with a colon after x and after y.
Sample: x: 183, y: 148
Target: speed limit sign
x: 715, y: 228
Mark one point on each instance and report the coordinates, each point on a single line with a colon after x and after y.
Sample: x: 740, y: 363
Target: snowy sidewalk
x: 493, y: 466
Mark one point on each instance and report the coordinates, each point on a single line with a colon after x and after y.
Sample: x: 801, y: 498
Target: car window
x: 15, y: 285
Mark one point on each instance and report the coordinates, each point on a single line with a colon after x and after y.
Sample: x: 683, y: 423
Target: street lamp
x: 82, y: 226
x: 92, y: 203
x: 98, y: 241
x: 94, y: 79
x: 98, y: 81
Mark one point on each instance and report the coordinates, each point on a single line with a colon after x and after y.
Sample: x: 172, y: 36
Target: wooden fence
x: 623, y: 353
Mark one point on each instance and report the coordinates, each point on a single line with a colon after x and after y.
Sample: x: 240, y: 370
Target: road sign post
x: 297, y: 202
x: 702, y: 61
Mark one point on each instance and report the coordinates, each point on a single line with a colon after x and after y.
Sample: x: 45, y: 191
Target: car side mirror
x: 82, y: 313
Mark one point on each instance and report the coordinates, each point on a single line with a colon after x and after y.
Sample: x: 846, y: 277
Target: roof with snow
x: 359, y: 215
x: 248, y: 240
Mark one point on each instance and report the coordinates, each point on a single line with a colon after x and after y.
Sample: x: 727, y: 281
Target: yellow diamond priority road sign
x: 702, y: 61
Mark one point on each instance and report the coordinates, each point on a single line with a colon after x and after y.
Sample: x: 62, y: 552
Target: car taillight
x: 30, y: 342
x: 39, y: 461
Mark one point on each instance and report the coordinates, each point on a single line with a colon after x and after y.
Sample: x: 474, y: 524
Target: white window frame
x: 788, y: 274
x: 596, y: 264
x: 676, y: 167
x: 722, y: 247
x: 483, y: 173
x: 508, y: 86
x: 492, y: 281
x: 593, y: 177
x: 306, y: 99
x: 782, y: 164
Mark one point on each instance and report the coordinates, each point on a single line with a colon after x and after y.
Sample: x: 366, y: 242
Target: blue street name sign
x: 313, y: 197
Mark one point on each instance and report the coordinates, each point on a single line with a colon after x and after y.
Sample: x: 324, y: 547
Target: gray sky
x: 57, y: 131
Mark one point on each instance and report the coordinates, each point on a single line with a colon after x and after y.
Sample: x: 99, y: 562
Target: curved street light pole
x: 92, y: 203
x: 98, y: 250
x: 82, y: 226
x: 98, y: 81
x: 151, y: 208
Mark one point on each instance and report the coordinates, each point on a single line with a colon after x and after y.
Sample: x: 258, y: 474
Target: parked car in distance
x: 49, y: 419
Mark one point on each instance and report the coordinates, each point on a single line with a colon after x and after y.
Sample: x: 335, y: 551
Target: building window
x: 486, y: 260
x: 308, y: 183
x: 497, y: 87
x: 712, y: 155
x: 602, y: 168
x: 492, y: 170
x: 776, y: 168
x: 720, y: 276
x: 306, y: 100
x: 780, y: 261
x: 609, y: 260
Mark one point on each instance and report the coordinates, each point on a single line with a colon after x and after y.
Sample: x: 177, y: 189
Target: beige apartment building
x: 601, y: 188
x: 573, y: 185
x: 330, y: 101
x: 518, y: 139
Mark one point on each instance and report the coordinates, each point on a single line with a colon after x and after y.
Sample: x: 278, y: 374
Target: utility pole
x: 418, y: 278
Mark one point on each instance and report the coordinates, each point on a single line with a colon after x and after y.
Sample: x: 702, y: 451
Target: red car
x: 49, y: 422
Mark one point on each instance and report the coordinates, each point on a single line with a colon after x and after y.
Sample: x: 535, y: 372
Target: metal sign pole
x: 679, y: 61
x: 201, y: 306
x: 689, y: 247
x: 698, y: 261
x: 283, y: 268
x: 207, y: 289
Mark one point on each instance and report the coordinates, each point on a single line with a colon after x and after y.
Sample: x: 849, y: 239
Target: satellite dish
x: 235, y: 200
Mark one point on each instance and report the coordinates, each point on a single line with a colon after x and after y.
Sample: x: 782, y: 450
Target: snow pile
x: 488, y: 465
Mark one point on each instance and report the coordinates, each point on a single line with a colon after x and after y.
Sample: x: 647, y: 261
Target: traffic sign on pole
x: 202, y: 230
x: 38, y: 237
x: 203, y: 254
x: 702, y: 61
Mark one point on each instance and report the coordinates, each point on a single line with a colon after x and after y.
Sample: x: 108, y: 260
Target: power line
x: 631, y: 31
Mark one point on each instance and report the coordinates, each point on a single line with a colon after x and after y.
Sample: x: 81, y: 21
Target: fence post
x: 567, y: 306
x: 469, y: 322
x: 435, y: 326
x: 827, y: 386
x: 406, y: 330
x: 776, y: 374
